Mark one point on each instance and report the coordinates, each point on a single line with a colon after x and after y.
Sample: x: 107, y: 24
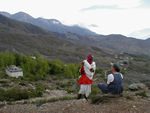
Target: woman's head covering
x: 90, y: 59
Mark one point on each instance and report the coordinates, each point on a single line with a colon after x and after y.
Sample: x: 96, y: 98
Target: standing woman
x: 87, y: 71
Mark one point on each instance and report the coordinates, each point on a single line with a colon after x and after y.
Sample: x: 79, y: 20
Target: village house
x: 14, y: 71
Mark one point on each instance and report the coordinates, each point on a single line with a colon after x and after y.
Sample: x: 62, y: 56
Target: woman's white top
x: 87, y: 68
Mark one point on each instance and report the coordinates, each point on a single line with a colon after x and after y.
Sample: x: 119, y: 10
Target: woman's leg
x: 79, y: 96
x: 88, y: 90
x: 81, y: 91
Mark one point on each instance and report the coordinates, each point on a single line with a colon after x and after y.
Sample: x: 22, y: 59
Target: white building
x: 14, y: 71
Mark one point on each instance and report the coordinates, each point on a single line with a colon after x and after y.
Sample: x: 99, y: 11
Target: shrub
x: 3, y: 75
x: 66, y: 84
x: 39, y: 68
x: 57, y: 77
x: 99, y: 99
x: 6, y: 59
x: 41, y: 87
x: 42, y: 101
x: 35, y: 93
x: 141, y: 93
x: 71, y: 90
x: 53, y: 88
x: 140, y: 59
x: 99, y: 70
x: 56, y: 67
x: 65, y: 70
x: 18, y: 94
x: 95, y: 90
x: 71, y: 70
x: 13, y: 94
x: 123, y: 71
x: 130, y: 97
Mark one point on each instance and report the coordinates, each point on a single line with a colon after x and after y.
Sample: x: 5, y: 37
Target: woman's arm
x: 87, y: 64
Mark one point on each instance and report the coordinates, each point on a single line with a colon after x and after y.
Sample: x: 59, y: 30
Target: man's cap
x: 116, y: 67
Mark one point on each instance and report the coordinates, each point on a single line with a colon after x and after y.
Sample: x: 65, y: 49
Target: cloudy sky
x: 102, y: 16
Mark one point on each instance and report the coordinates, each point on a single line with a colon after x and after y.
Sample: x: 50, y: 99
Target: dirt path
x: 119, y: 105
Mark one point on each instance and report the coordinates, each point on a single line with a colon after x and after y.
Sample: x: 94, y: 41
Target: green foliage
x: 140, y: 59
x: 36, y: 54
x: 53, y: 88
x: 56, y: 67
x: 125, y: 62
x: 95, y: 90
x: 72, y: 70
x: 35, y: 93
x: 41, y: 87
x: 42, y: 101
x: 18, y: 94
x: 39, y: 68
x: 123, y: 71
x: 130, y: 97
x: 101, y: 72
x: 3, y: 75
x: 141, y: 93
x: 66, y: 84
x: 71, y: 90
x: 57, y: 77
x: 6, y: 59
x: 66, y: 70
x: 99, y: 99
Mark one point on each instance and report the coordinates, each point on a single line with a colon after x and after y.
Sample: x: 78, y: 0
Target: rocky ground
x: 123, y: 104
x: 119, y: 105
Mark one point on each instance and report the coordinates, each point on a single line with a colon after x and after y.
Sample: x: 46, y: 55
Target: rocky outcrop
x: 137, y: 86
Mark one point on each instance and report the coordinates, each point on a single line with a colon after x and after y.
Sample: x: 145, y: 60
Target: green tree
x: 56, y: 67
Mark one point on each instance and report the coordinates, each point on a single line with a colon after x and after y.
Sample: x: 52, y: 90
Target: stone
x: 31, y: 86
x: 137, y: 86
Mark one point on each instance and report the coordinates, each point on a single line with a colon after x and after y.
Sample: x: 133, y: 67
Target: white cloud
x: 125, y: 19
x: 128, y: 3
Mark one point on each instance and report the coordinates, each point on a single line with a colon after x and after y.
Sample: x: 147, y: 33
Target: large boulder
x: 138, y: 86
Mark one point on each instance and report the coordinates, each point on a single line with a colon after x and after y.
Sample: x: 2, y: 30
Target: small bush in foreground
x: 71, y: 90
x: 18, y: 94
x: 142, y: 94
x: 42, y: 101
x: 99, y: 99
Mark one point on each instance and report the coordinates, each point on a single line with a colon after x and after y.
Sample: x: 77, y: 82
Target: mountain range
x: 113, y: 42
x: 24, y: 38
x: 52, y: 25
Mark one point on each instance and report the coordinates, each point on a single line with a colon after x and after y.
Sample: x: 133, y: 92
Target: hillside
x: 50, y: 85
x: 51, y: 46
x: 52, y: 25
x: 113, y: 42
x: 28, y: 28
x: 25, y: 38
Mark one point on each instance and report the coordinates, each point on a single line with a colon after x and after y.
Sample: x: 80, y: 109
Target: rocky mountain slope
x: 52, y: 25
x: 114, y: 42
x: 26, y: 38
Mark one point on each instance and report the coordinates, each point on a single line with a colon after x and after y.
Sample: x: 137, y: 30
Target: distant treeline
x: 38, y: 68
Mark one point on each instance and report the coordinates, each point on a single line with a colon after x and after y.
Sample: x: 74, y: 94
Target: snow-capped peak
x: 55, y: 22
